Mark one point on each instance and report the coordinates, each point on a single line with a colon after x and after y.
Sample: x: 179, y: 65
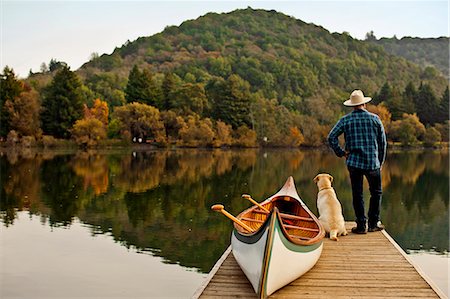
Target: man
x: 365, y: 150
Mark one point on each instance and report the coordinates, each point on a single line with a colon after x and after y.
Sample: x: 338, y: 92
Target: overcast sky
x: 33, y: 32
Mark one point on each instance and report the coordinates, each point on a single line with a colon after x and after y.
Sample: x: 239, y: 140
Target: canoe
x: 285, y: 242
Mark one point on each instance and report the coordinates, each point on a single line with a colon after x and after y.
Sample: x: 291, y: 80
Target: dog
x: 329, y: 207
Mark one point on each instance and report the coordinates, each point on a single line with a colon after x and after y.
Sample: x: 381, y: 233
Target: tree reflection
x: 157, y: 200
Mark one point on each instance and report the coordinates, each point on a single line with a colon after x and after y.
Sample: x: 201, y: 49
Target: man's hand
x: 347, y: 153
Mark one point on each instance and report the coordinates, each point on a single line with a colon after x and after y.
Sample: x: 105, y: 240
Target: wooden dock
x: 357, y: 266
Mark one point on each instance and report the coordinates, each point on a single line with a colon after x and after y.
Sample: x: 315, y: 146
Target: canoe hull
x: 277, y: 251
x: 271, y: 261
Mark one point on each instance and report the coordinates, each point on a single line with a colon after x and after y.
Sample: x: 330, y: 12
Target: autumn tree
x: 245, y: 137
x: 431, y: 136
x: 88, y: 131
x: 62, y: 103
x: 141, y: 121
x: 197, y: 132
x: 10, y: 88
x: 223, y: 135
x: 93, y: 127
x: 23, y: 112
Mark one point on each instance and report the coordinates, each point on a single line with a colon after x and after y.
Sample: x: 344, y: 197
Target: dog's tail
x: 333, y: 235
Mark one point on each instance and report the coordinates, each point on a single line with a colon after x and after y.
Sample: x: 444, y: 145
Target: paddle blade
x: 217, y: 208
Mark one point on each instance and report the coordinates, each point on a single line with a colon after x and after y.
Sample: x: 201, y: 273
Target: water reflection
x: 159, y: 201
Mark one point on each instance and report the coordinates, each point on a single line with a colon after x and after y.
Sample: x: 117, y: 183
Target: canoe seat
x: 252, y: 220
x: 285, y: 225
x: 285, y: 216
x: 301, y: 228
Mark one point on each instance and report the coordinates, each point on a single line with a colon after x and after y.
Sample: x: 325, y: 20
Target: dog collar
x: 325, y: 188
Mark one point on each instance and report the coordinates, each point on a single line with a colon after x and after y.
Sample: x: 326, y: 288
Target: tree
x: 223, y: 135
x: 23, y: 112
x: 409, y: 97
x: 141, y: 87
x: 427, y: 104
x: 93, y: 127
x: 245, y: 137
x: 443, y: 112
x: 190, y: 98
x: 10, y: 88
x: 407, y: 130
x: 55, y: 65
x: 99, y: 111
x: 384, y: 94
x: 431, y: 136
x: 88, y: 131
x: 168, y: 87
x: 197, y: 132
x: 141, y: 121
x: 230, y: 99
x: 62, y: 103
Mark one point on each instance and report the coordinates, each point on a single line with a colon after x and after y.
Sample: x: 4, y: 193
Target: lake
x: 129, y: 224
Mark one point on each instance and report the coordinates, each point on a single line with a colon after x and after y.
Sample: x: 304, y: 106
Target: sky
x: 33, y: 32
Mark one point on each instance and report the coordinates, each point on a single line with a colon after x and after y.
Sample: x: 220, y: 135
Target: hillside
x: 283, y: 57
x: 245, y: 78
x: 422, y: 51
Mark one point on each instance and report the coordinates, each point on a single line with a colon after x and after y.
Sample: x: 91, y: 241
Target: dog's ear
x: 316, y: 179
x: 331, y: 178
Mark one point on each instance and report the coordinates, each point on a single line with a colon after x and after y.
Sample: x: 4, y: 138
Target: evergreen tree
x: 408, y: 98
x: 62, y: 103
x: 443, y: 113
x: 230, y: 99
x: 427, y: 104
x: 141, y: 87
x: 10, y: 88
x: 168, y: 87
x: 384, y: 94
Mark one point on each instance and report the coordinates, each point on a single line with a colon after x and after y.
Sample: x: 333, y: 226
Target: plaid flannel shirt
x: 365, y: 139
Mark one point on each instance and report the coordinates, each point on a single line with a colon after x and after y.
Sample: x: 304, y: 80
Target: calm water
x: 138, y: 224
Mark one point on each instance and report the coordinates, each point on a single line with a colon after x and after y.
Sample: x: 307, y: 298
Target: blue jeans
x: 374, y: 179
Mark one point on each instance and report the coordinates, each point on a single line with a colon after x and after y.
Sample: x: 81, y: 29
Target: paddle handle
x: 246, y: 196
x: 220, y: 209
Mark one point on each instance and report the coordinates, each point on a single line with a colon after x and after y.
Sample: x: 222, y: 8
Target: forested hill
x: 422, y: 51
x: 248, y: 77
x: 281, y: 56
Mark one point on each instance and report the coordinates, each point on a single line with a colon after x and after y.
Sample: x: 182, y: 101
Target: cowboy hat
x: 357, y: 98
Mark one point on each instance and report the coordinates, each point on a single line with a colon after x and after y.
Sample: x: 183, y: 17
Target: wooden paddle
x: 246, y: 196
x: 220, y: 209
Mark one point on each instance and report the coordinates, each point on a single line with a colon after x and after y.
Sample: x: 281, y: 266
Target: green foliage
x: 141, y: 87
x: 423, y: 51
x: 190, y: 98
x: 427, y: 104
x: 62, y: 103
x: 230, y: 100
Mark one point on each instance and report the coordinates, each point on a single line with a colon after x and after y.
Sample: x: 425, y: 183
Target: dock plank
x: 357, y: 266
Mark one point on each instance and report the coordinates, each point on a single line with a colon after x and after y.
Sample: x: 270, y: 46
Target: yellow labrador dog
x: 329, y: 207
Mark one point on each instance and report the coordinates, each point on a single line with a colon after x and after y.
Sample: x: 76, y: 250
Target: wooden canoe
x: 286, y: 242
